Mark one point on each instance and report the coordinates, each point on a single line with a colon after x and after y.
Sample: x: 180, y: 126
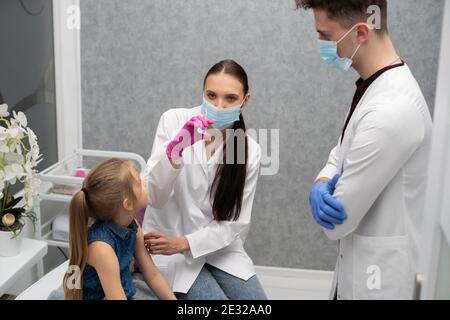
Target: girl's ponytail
x: 79, y: 220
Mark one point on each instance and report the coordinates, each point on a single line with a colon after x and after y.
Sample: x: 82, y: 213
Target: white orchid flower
x: 4, y: 110
x: 18, y: 161
x: 9, y: 173
x: 3, y: 133
x: 20, y: 118
x: 12, y: 157
x: 13, y: 132
x: 3, y: 147
x: 13, y: 171
x: 32, y: 139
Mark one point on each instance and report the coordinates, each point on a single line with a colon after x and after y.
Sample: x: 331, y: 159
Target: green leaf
x: 16, y: 211
x: 11, y: 203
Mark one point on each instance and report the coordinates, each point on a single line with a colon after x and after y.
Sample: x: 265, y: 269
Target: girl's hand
x: 162, y: 244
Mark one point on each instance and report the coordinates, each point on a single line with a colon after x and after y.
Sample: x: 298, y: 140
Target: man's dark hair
x: 348, y: 12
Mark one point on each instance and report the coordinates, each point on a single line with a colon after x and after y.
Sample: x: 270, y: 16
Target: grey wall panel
x: 142, y: 57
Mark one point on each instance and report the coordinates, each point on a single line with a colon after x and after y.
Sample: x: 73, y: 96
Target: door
x: 433, y: 279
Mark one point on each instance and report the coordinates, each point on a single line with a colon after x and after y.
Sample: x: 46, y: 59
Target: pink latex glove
x: 140, y: 216
x: 188, y: 136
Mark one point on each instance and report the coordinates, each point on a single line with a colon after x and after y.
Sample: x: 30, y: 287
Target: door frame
x: 437, y: 206
x: 67, y: 78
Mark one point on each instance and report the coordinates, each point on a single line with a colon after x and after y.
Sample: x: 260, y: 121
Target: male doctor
x: 370, y: 194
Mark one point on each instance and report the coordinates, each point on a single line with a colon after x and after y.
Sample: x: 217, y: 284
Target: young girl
x: 103, y: 249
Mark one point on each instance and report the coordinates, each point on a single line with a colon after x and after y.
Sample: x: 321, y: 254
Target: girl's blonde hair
x: 104, y: 190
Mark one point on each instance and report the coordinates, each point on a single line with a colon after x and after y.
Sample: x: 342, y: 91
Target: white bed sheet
x: 41, y: 289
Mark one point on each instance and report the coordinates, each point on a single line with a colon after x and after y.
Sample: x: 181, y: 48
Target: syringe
x: 200, y: 130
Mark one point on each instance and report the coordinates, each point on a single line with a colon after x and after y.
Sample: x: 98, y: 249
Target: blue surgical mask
x: 223, y: 118
x: 328, y: 52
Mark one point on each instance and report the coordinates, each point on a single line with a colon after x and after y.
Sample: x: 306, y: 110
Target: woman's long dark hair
x: 229, y: 181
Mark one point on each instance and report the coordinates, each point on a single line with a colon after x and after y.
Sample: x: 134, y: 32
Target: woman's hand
x: 162, y: 244
x: 187, y: 136
x: 150, y: 272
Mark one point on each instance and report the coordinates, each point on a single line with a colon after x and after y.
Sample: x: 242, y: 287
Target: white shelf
x: 11, y: 269
x: 56, y: 197
x: 54, y: 243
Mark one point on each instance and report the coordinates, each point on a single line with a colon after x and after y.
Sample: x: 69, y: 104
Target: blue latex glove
x: 326, y: 210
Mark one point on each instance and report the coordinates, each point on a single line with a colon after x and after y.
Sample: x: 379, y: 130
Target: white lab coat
x: 180, y: 205
x: 383, y: 161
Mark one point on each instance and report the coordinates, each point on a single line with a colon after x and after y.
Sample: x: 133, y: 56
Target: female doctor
x: 201, y: 202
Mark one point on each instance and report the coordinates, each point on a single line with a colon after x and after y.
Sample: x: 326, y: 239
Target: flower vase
x: 10, y: 246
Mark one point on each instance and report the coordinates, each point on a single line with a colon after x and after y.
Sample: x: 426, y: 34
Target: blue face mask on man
x: 223, y: 118
x: 328, y: 52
